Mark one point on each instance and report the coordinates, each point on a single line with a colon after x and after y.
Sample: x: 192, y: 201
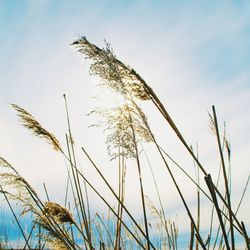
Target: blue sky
x: 193, y: 53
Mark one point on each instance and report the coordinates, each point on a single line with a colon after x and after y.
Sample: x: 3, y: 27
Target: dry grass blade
x: 32, y: 124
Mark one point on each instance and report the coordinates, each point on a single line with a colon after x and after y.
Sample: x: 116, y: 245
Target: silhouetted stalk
x: 217, y: 183
x: 247, y: 239
x: 115, y: 73
x: 210, y: 185
x: 163, y: 217
x: 171, y: 175
x: 107, y: 230
x: 183, y: 171
x: 69, y: 182
x: 198, y: 186
x: 181, y: 196
x: 237, y: 209
x: 122, y: 197
x: 142, y: 197
x: 76, y: 176
x: 104, y: 200
x: 168, y: 118
x: 81, y: 200
x: 99, y: 233
x: 121, y: 175
x: 243, y: 194
x: 117, y: 236
x: 191, y: 244
x: 15, y: 217
x: 39, y: 237
x: 198, y: 199
x: 67, y: 189
x: 212, y: 215
x: 174, y: 234
x: 52, y: 223
x: 30, y: 234
x: 115, y: 195
x: 225, y: 179
x: 224, y: 210
x: 77, y: 195
x: 71, y: 229
x: 177, y: 187
x: 140, y: 181
x: 46, y: 192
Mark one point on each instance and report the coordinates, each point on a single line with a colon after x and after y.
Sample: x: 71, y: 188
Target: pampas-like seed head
x: 32, y: 124
x: 56, y: 244
x: 58, y: 212
x: 114, y: 74
x: 20, y: 191
x: 122, y: 123
x: 4, y: 163
x: 18, y: 183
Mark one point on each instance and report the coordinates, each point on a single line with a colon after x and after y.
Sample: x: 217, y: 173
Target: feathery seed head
x: 4, y: 163
x: 32, y: 124
x: 114, y: 74
x: 123, y: 122
x: 57, y: 244
x: 18, y: 183
x: 58, y: 212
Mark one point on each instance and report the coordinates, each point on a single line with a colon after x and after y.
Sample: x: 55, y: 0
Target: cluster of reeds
x: 127, y: 129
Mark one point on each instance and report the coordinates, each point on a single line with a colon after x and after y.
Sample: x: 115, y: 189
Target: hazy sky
x: 194, y: 54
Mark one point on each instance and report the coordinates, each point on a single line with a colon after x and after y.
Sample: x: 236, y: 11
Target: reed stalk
x: 225, y: 180
x: 213, y: 194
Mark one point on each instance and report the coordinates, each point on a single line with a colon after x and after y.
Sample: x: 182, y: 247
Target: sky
x: 194, y: 54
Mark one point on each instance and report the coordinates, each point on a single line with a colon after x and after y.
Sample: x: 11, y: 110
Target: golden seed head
x: 58, y: 212
x: 32, y: 124
x: 114, y: 74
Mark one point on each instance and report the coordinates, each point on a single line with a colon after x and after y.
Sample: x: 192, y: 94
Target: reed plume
x: 20, y: 188
x: 120, y: 122
x: 56, y: 244
x: 59, y: 213
x: 4, y: 163
x: 114, y: 74
x: 32, y: 124
x: 19, y: 191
